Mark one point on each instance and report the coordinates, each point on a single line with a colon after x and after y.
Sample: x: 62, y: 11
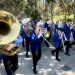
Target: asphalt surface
x: 47, y: 64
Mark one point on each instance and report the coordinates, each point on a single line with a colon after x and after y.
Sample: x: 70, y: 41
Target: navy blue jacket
x: 23, y: 35
x: 56, y: 40
x: 73, y: 32
x: 56, y: 27
x: 67, y: 31
x: 2, y: 56
x: 47, y: 26
x: 35, y: 41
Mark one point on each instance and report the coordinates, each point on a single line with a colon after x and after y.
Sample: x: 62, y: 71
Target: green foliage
x: 13, y: 6
x: 31, y: 9
x: 49, y: 1
x: 39, y: 8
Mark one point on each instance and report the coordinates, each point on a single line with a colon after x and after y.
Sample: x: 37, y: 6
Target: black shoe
x: 14, y: 68
x: 23, y: 46
x: 0, y: 61
x: 34, y: 71
x: 13, y: 73
x: 57, y: 59
x: 61, y: 51
x: 27, y: 56
x: 52, y: 53
x: 67, y: 54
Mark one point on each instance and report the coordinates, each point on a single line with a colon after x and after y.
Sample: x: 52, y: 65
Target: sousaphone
x: 9, y: 31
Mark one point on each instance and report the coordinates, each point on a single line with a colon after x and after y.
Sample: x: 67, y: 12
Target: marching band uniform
x: 27, y: 40
x: 36, y: 41
x: 56, y: 27
x: 67, y: 32
x: 1, y: 57
x: 25, y: 35
x: 73, y: 33
x: 22, y: 33
x: 48, y: 27
x: 57, y: 43
x: 11, y: 62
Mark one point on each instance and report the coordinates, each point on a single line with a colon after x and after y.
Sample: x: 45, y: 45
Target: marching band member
x: 1, y: 57
x: 57, y: 42
x: 73, y: 36
x: 26, y: 34
x: 36, y: 40
x: 22, y: 32
x: 67, y: 32
x: 48, y: 27
x: 56, y: 26
x: 23, y: 36
x: 60, y: 24
x: 11, y: 62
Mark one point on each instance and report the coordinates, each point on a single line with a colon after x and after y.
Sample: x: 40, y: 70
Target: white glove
x: 61, y: 36
x: 39, y: 35
x: 71, y: 27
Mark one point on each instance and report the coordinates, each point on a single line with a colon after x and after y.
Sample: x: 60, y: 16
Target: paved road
x: 47, y: 64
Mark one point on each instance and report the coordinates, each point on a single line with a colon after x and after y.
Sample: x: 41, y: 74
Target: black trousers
x: 68, y: 45
x: 23, y: 43
x: 27, y: 45
x: 57, y: 51
x: 73, y: 43
x: 36, y: 55
x: 11, y: 64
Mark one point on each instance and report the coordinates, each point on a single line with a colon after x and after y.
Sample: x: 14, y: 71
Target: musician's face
x: 37, y: 28
x: 69, y: 23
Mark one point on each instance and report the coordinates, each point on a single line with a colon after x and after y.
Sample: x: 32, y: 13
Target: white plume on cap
x: 40, y: 23
x: 49, y: 22
x: 26, y: 20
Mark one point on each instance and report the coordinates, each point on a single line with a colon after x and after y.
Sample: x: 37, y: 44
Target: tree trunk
x: 52, y: 11
x: 45, y: 11
x: 65, y: 16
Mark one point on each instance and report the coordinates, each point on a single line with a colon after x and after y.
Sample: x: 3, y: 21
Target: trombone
x: 46, y: 34
x: 51, y: 46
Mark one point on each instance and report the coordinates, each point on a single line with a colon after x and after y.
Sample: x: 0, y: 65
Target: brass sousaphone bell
x: 9, y: 31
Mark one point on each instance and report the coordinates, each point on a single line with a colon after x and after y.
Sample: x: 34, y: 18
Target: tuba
x: 9, y: 31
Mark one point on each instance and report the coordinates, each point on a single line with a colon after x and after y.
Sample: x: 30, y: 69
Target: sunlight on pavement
x: 52, y: 57
x: 70, y: 73
x: 45, y: 71
x: 45, y: 57
x: 51, y: 64
x: 19, y: 74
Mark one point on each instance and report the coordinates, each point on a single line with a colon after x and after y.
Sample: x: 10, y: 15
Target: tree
x: 13, y: 6
x: 74, y: 12
x: 66, y: 7
x: 31, y: 9
x: 50, y: 4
